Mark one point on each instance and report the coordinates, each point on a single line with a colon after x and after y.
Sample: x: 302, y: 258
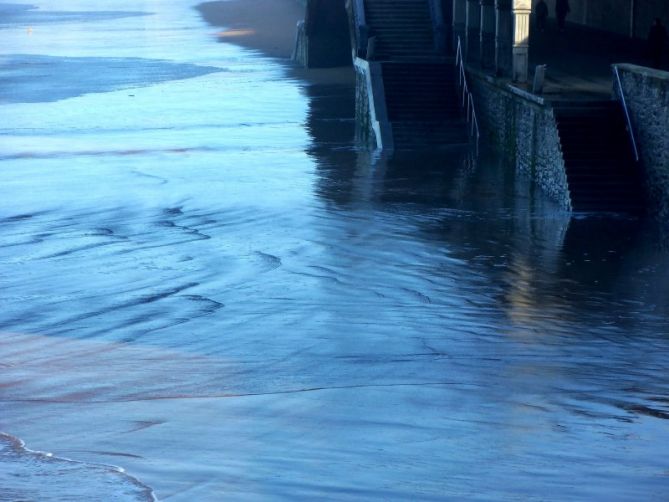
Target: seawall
x: 647, y: 96
x: 522, y: 127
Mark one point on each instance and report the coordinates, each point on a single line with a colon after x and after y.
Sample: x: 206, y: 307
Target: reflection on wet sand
x: 29, y: 78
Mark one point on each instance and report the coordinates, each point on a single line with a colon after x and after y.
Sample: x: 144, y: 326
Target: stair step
x: 585, y: 159
x: 630, y: 185
x: 421, y: 97
x: 403, y: 29
x: 601, y: 173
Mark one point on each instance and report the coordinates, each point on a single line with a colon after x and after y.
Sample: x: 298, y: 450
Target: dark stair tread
x: 601, y: 172
x: 419, y: 82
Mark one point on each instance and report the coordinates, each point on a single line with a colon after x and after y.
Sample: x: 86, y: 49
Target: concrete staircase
x: 419, y: 82
x: 601, y: 170
x: 402, y: 29
x: 422, y: 104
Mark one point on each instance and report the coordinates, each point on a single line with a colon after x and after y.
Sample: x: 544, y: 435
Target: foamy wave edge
x: 19, y: 446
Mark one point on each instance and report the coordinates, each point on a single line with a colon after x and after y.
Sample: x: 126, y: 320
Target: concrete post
x: 522, y: 9
x: 324, y: 37
x: 473, y: 44
x: 503, y: 37
x: 487, y: 43
x: 459, y: 20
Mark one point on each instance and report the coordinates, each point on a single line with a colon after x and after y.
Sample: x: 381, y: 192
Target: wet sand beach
x: 210, y: 292
x: 268, y: 26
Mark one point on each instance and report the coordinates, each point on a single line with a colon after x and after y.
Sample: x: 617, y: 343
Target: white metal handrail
x: 627, y: 113
x: 467, y: 98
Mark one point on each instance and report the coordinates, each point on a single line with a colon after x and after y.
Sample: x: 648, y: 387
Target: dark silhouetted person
x: 657, y: 39
x: 561, y: 11
x: 541, y: 11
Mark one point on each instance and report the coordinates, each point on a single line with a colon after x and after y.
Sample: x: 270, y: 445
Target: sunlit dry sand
x: 266, y: 25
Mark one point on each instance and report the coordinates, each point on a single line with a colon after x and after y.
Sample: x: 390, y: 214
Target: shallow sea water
x: 206, y: 284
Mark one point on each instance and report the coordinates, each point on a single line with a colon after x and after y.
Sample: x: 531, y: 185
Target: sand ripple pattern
x: 205, y: 281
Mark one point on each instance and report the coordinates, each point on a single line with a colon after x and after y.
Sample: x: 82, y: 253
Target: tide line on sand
x: 18, y: 448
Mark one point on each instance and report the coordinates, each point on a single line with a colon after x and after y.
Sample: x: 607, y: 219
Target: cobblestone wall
x: 523, y: 128
x: 363, y: 121
x: 647, y: 96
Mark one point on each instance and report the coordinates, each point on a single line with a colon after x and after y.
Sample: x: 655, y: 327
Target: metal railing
x: 630, y: 130
x: 467, y: 98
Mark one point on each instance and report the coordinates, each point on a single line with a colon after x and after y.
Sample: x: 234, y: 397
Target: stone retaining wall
x: 372, y: 125
x: 323, y: 37
x: 522, y: 127
x: 647, y: 97
x: 364, y: 132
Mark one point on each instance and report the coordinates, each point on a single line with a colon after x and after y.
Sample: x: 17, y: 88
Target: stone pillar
x: 459, y: 20
x: 522, y: 9
x: 503, y: 37
x: 472, y: 46
x: 323, y: 39
x: 487, y: 43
